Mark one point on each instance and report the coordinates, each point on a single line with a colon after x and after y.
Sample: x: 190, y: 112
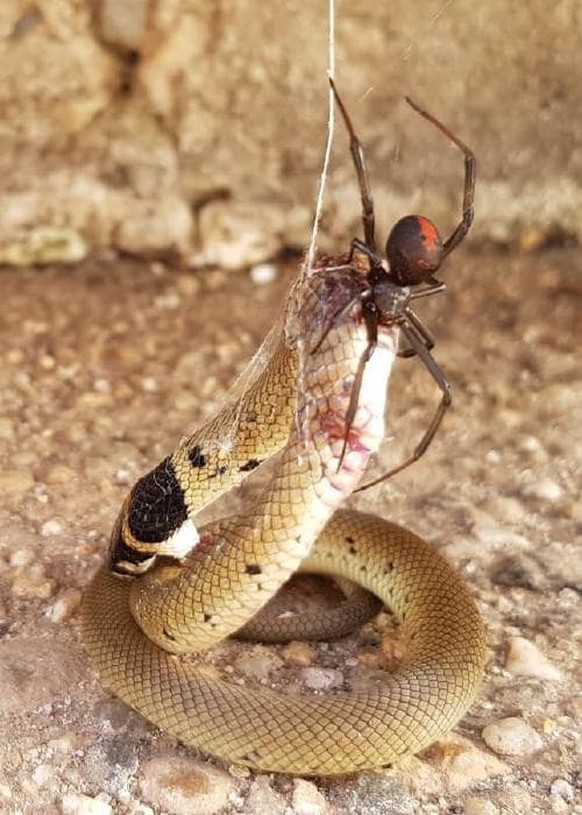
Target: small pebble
x: 77, y: 804
x: 31, y: 581
x: 563, y: 789
x: 63, y: 744
x: 530, y: 443
x: 59, y: 474
x: 495, y: 536
x: 512, y: 737
x: 547, y: 490
x: 149, y: 384
x: 307, y: 799
x: 462, y: 765
x: 480, y: 806
x: 54, y: 526
x: 322, y: 678
x: 102, y: 385
x: 262, y: 798
x: 42, y: 774
x: 258, y: 662
x: 418, y: 777
x: 169, y: 301
x: 263, y: 273
x: 21, y: 557
x: 123, y: 476
x: 507, y: 509
x: 393, y: 648
x: 525, y: 659
x: 188, y: 284
x: 94, y: 400
x: 184, y: 786
x: 137, y: 808
x: 515, y: 799
x: 299, y: 653
x: 65, y: 606
x: 559, y: 807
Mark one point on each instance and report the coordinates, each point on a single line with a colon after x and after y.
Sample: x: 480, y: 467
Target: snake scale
x: 136, y: 626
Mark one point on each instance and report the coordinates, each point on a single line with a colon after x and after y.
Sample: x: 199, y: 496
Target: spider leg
x: 331, y: 322
x: 434, y: 288
x: 371, y: 319
x: 469, y: 187
x: 423, y: 332
x: 371, y: 254
x: 418, y: 343
x: 357, y: 151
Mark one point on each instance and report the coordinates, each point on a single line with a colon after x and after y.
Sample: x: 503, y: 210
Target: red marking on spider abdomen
x: 429, y: 232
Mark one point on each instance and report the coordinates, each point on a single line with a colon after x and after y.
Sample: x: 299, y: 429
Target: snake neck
x: 255, y: 553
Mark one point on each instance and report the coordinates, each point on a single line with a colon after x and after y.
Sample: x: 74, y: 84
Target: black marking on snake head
x: 197, y: 457
x: 352, y: 545
x: 251, y: 464
x: 207, y: 617
x: 157, y: 505
x: 219, y: 471
x: 253, y: 568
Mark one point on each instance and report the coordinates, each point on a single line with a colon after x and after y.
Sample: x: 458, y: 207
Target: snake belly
x: 135, y: 627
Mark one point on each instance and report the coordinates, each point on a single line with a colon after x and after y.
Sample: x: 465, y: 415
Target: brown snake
x: 297, y: 405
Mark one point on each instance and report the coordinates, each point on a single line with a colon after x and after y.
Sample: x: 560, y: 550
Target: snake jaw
x: 181, y: 542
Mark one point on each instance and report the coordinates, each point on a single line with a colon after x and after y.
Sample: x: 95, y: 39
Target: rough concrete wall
x: 199, y: 127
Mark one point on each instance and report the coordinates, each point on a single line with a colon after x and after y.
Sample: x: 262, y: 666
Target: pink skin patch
x: 367, y: 430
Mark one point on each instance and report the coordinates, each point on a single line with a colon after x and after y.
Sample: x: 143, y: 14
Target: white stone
x: 546, y: 490
x: 563, y: 789
x: 322, y: 678
x: 184, y: 786
x: 77, y: 804
x: 307, y: 799
x: 54, y: 526
x: 525, y: 659
x: 263, y: 273
x: 262, y: 798
x: 512, y: 737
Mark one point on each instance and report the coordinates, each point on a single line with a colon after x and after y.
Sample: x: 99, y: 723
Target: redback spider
x: 414, y: 253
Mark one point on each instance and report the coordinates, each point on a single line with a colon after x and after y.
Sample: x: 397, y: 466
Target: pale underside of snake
x: 295, y: 405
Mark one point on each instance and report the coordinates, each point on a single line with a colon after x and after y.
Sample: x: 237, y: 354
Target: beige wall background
x: 198, y: 128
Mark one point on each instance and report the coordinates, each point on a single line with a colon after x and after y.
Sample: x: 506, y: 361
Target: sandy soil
x: 106, y: 365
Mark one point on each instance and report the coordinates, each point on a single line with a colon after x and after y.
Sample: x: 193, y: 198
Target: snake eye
x: 414, y: 250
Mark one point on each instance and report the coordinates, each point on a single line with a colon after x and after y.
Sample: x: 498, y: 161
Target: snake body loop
x: 297, y: 405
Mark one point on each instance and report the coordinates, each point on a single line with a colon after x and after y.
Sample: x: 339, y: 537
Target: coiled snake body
x: 297, y: 404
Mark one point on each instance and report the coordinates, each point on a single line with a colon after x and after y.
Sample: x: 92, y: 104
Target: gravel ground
x: 105, y: 366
